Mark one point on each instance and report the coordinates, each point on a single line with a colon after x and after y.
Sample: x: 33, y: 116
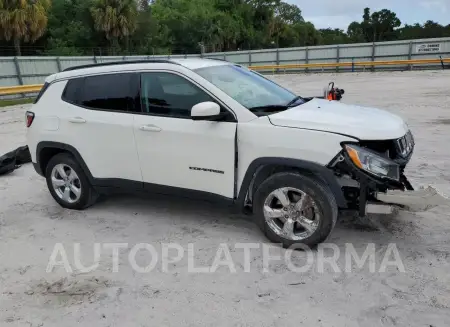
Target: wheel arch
x: 261, y: 168
x: 46, y: 150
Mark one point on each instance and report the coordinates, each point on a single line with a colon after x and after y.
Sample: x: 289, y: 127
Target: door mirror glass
x: 205, y: 111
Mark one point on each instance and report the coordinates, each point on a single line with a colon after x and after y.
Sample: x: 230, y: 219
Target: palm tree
x: 23, y: 20
x: 116, y: 18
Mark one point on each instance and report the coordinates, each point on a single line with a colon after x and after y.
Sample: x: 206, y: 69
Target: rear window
x: 41, y: 92
x: 112, y: 92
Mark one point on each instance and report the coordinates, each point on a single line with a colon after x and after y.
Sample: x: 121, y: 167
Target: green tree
x: 428, y: 30
x: 334, y: 36
x: 84, y: 27
x: 23, y: 20
x: 117, y: 19
x: 386, y: 22
x: 290, y: 14
x: 143, y: 5
x: 355, y: 33
x: 308, y: 34
x: 70, y: 28
x: 380, y: 25
x: 141, y: 39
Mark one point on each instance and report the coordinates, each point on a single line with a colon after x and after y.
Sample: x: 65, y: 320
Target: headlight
x: 373, y: 163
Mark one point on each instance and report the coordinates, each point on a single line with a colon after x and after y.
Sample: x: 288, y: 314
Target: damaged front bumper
x: 419, y: 200
x: 367, y: 192
x: 371, y: 195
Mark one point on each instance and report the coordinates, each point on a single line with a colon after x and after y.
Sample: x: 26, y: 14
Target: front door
x: 175, y: 150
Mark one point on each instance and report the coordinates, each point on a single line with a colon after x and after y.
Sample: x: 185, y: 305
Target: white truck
x: 214, y: 130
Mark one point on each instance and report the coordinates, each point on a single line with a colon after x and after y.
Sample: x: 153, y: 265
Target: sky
x: 340, y: 13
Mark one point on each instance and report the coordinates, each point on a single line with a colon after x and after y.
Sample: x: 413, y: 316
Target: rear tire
x: 306, y: 213
x: 68, y: 184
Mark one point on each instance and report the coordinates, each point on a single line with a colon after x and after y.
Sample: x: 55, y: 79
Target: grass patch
x: 15, y: 102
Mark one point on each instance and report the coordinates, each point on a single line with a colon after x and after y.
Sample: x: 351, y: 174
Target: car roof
x: 105, y: 67
x: 196, y: 63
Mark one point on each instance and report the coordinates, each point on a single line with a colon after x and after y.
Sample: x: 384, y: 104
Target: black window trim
x: 41, y: 92
x: 83, y: 77
x: 140, y: 110
x: 219, y: 102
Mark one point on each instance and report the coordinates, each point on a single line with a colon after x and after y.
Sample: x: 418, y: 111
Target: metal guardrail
x: 22, y: 89
x: 354, y: 64
x: 35, y: 88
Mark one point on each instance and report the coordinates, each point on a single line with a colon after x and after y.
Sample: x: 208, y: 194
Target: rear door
x: 98, y: 121
x: 175, y: 150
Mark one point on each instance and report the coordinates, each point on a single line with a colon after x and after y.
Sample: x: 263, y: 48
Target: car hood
x: 336, y: 117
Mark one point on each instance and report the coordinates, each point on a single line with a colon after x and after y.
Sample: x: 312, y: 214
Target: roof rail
x: 125, y: 62
x: 216, y: 59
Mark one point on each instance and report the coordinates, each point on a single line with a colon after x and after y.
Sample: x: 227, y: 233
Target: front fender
x: 318, y: 171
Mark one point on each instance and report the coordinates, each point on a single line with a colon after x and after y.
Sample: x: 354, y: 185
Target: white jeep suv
x: 214, y: 130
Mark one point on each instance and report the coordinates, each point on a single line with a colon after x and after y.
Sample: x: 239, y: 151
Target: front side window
x: 168, y: 94
x: 112, y: 92
x: 250, y: 89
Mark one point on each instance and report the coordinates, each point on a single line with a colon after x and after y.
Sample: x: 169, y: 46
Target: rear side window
x: 41, y: 92
x: 72, y: 91
x: 111, y: 92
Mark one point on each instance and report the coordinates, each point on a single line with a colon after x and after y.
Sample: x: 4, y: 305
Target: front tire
x: 68, y: 183
x: 294, y: 209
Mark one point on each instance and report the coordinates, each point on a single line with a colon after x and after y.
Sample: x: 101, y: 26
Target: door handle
x: 77, y: 120
x: 150, y: 128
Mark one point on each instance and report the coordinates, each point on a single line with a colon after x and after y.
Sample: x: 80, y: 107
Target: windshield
x: 250, y: 89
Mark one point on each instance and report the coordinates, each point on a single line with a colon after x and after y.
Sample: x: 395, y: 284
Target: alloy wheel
x: 291, y: 213
x: 66, y: 183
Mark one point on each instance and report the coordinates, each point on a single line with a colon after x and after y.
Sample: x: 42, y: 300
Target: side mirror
x: 206, y: 111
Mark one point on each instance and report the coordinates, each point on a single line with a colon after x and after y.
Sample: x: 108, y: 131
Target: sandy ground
x: 31, y: 223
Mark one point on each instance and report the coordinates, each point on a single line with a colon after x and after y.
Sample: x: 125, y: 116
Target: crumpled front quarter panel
x: 259, y: 138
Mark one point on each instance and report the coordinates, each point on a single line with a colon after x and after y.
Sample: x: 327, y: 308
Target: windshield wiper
x: 294, y: 100
x: 277, y: 107
x: 269, y: 108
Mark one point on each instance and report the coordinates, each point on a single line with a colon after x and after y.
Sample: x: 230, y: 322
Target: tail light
x: 29, y: 118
